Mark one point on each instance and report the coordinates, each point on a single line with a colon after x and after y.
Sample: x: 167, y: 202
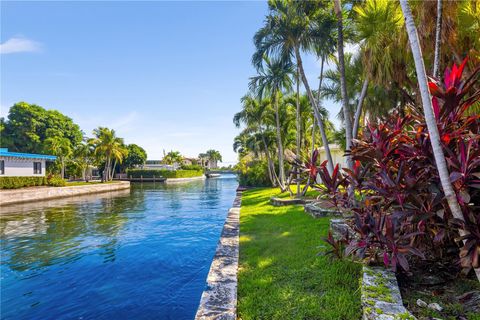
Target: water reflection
x: 142, y: 253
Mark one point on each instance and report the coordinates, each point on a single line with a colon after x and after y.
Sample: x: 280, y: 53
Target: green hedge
x: 22, y: 182
x: 150, y: 173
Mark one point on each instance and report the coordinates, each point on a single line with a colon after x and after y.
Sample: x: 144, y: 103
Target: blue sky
x: 164, y: 75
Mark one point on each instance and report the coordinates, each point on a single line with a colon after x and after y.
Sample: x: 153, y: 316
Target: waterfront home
x: 17, y: 164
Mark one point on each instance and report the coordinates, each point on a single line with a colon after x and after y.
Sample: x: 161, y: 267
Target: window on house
x: 37, y: 168
x: 2, y: 166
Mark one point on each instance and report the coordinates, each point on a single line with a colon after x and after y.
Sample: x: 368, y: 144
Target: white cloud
x: 20, y: 44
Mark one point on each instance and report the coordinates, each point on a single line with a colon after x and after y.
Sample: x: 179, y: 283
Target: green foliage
x: 280, y: 274
x: 55, y: 181
x: 150, y: 173
x: 28, y: 126
x: 196, y: 167
x: 254, y: 174
x: 20, y: 182
x: 136, y: 156
x: 172, y: 157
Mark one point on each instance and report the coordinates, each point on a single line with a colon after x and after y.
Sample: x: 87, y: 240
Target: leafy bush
x: 150, y: 173
x: 55, y: 181
x: 401, y: 213
x: 254, y: 174
x: 21, y: 182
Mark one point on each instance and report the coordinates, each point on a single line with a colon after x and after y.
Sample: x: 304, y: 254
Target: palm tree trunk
x: 113, y: 169
x: 316, y: 112
x: 358, y: 112
x: 430, y: 119
x: 269, y: 161
x: 281, y: 169
x: 438, y: 39
x: 343, y: 84
x: 299, y: 137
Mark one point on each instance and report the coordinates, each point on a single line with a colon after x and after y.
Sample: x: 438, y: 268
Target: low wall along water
x: 45, y: 193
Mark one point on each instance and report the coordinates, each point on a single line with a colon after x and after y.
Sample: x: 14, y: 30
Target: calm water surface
x: 142, y: 253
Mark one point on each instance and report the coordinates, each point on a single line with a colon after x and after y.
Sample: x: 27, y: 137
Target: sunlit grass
x: 280, y: 275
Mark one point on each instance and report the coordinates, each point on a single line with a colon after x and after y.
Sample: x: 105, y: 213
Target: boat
x: 212, y: 175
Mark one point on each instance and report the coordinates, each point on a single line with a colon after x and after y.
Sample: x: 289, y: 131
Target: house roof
x: 5, y: 153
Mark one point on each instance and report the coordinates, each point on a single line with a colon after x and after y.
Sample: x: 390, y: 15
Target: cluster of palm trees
x: 379, y: 78
x: 210, y: 158
x: 104, y: 149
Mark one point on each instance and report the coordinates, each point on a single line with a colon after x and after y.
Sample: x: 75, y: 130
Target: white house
x: 337, y: 155
x: 16, y: 164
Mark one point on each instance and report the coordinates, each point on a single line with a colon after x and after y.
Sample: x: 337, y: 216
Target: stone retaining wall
x: 8, y: 197
x: 219, y: 299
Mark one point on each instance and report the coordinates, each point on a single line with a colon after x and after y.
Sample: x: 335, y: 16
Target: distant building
x: 157, y: 164
x: 337, y: 155
x: 17, y: 164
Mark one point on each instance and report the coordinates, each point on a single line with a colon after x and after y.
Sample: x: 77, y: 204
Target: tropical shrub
x: 254, y: 174
x: 150, y: 173
x: 55, y: 181
x: 400, y: 213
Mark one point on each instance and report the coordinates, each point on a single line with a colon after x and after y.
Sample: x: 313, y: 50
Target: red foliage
x: 400, y: 209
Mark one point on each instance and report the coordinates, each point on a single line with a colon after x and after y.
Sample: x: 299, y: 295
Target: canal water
x: 142, y: 253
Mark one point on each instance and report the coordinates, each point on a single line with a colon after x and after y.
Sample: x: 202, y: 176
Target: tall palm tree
x: 287, y: 32
x: 119, y: 152
x: 430, y: 118
x: 341, y: 65
x: 274, y: 76
x: 60, y: 147
x: 108, y: 147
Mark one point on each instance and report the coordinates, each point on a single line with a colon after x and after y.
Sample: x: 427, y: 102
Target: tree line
x: 282, y: 112
x: 32, y: 129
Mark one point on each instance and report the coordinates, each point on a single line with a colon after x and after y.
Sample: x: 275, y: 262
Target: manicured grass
x: 280, y: 274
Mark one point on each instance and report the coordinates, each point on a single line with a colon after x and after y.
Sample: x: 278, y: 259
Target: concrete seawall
x: 219, y: 299
x: 34, y: 194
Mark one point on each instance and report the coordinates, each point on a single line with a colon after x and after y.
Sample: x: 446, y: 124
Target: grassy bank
x: 280, y: 274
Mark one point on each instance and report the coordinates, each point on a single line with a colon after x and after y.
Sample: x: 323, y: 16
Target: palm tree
x: 274, y: 77
x: 108, y: 147
x: 341, y: 65
x: 83, y: 157
x: 286, y: 32
x: 253, y: 116
x: 60, y: 147
x: 173, y: 157
x: 430, y: 119
x: 119, y: 152
x: 203, y: 157
x: 213, y: 157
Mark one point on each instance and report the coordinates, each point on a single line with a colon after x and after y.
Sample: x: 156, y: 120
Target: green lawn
x: 280, y: 274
